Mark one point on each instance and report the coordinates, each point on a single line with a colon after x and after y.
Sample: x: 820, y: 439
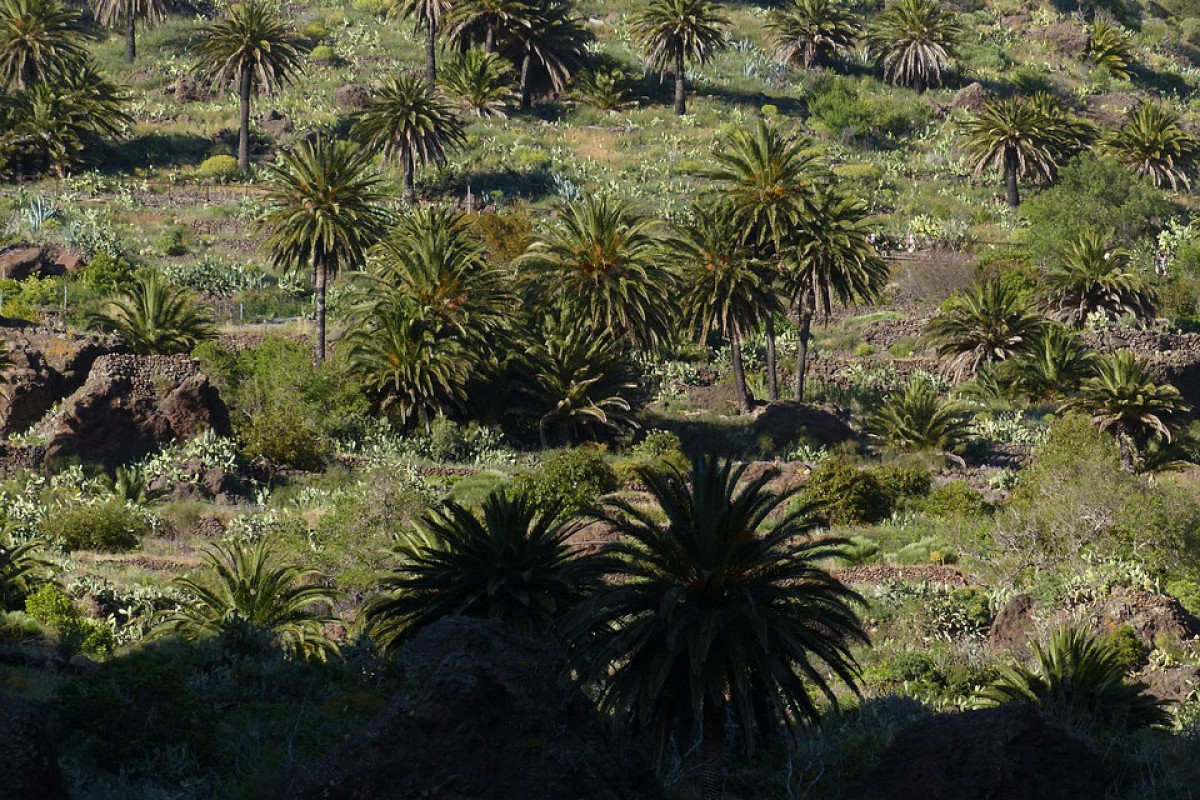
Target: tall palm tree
x: 1123, y: 397
x: 1152, y: 142
x: 429, y: 16
x: 1016, y: 137
x: 412, y: 120
x: 40, y: 40
x: 914, y: 41
x: 602, y: 258
x: 1089, y: 278
x: 674, y: 32
x: 834, y: 261
x: 155, y: 318
x: 716, y: 609
x: 247, y: 596
x: 127, y: 13
x: 985, y: 325
x: 253, y: 48
x: 722, y: 287
x: 324, y: 210
x: 812, y: 32
x: 486, y: 22
x: 510, y: 561
x: 768, y: 182
x: 547, y: 44
x: 481, y: 83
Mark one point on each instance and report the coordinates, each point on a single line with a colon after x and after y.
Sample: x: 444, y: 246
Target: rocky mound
x: 130, y: 406
x: 47, y: 366
x: 28, y: 763
x: 1005, y: 753
x: 21, y: 261
x: 787, y: 422
x: 494, y: 718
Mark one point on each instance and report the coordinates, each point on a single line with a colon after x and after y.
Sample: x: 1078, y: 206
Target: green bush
x: 902, y: 482
x: 1187, y: 592
x: 1126, y: 646
x: 662, y: 447
x: 109, y: 274
x: 217, y: 168
x: 322, y: 54
x: 845, y: 106
x: 954, y: 499
x: 173, y: 241
x: 569, y: 481
x: 285, y: 435
x: 846, y: 494
x: 1013, y: 268
x: 109, y: 527
x: 76, y: 633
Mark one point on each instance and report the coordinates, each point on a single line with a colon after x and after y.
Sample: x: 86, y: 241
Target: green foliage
x: 812, y: 32
x: 848, y: 107
x: 672, y: 33
x: 481, y: 83
x: 920, y: 418
x: 173, y: 241
x: 661, y: 446
x: 1109, y: 47
x: 322, y: 54
x: 1153, y: 143
x: 285, y: 435
x: 218, y: 168
x: 110, y: 527
x: 40, y: 41
x: 1126, y: 646
x: 21, y: 567
x: 1090, y: 277
x: 107, y: 273
x: 913, y: 40
x: 568, y: 481
x: 76, y: 633
x: 954, y: 499
x: 154, y: 318
x: 846, y: 494
x: 986, y: 325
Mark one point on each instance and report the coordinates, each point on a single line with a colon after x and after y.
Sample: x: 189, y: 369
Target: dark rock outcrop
x: 47, y: 366
x: 15, y: 459
x: 276, y: 124
x: 786, y: 422
x: 1013, y: 626
x: 28, y: 764
x: 22, y: 261
x: 973, y: 97
x: 1005, y: 753
x: 351, y: 97
x: 493, y: 718
x: 1068, y: 37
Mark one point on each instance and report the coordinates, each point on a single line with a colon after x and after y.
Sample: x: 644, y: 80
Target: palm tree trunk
x: 680, y: 89
x: 489, y: 39
x: 246, y: 84
x: 1012, y: 194
x: 806, y: 311
x: 410, y: 191
x: 772, y: 372
x: 130, y: 38
x: 712, y: 752
x: 431, y: 55
x: 1125, y: 440
x: 321, y: 276
x: 544, y: 431
x: 739, y: 371
x: 526, y: 66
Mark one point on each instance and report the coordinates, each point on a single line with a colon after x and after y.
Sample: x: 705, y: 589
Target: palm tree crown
x: 40, y: 40
x: 481, y: 83
x: 1089, y: 278
x: 1152, y: 142
x: 812, y: 32
x: 155, y: 318
x: 921, y: 418
x: 674, y: 32
x: 914, y: 39
x: 985, y: 325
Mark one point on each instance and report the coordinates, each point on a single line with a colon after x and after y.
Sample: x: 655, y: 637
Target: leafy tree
x: 914, y: 41
x: 429, y: 16
x: 253, y: 48
x: 40, y: 41
x: 155, y: 318
x: 1078, y: 680
x: 410, y: 119
x: 1091, y: 278
x: 127, y: 13
x: 511, y: 562
x: 674, y: 32
x: 324, y: 210
x: 21, y: 567
x: 248, y: 599
x: 1124, y: 398
x: 548, y: 43
x: 1053, y: 366
x: 481, y: 82
x: 987, y: 324
x: 812, y: 32
x: 1153, y: 143
x: 486, y: 21
x: 602, y: 258
x: 715, y: 609
x: 1109, y: 47
x: 921, y: 418
x: 722, y: 287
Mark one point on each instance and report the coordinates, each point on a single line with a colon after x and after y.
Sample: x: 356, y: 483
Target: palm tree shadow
x: 154, y: 150
x: 509, y: 183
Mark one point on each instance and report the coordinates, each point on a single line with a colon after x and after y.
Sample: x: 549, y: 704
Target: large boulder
x: 47, y: 366
x: 130, y: 406
x: 1005, y: 753
x: 351, y: 97
x: 973, y: 97
x: 21, y: 261
x: 492, y: 716
x: 787, y: 422
x: 28, y: 764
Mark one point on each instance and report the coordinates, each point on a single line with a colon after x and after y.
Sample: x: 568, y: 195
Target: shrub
x: 107, y: 273
x: 53, y: 609
x: 846, y: 494
x: 109, y: 527
x: 322, y: 54
x: 173, y: 241
x: 954, y: 499
x: 662, y: 447
x: 899, y: 482
x: 1126, y: 647
x: 568, y: 481
x: 285, y: 436
x: 1187, y: 592
x: 217, y: 168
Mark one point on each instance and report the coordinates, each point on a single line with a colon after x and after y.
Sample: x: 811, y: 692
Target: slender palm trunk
x: 1125, y: 440
x: 319, y: 268
x: 712, y: 752
x: 739, y: 371
x: 431, y: 55
x: 410, y: 190
x: 130, y: 38
x: 1011, y: 193
x: 526, y: 68
x: 772, y: 370
x: 245, y: 85
x: 680, y: 89
x: 489, y: 38
x: 806, y: 311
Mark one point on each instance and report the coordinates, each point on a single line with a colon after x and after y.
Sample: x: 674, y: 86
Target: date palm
x: 486, y: 22
x: 247, y: 596
x: 21, y: 570
x: 1123, y: 397
x: 920, y: 417
x: 812, y: 32
x: 1016, y: 137
x: 126, y: 13
x: 914, y: 41
x: 716, y: 609
x: 155, y: 318
x: 410, y: 120
x: 602, y: 257
x: 1089, y: 278
x: 1109, y: 47
x: 723, y: 288
x: 429, y: 16
x: 1152, y: 142
x: 481, y: 83
x: 510, y: 561
x: 324, y: 210
x: 985, y: 325
x: 1053, y: 366
x: 253, y: 48
x: 675, y: 32
x: 548, y: 44
x: 40, y: 40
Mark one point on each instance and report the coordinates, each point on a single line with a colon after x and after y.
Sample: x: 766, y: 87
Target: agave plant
x: 131, y: 485
x: 156, y: 318
x: 481, y: 83
x: 914, y: 40
x: 1092, y: 278
x: 985, y: 325
x: 1152, y: 142
x: 247, y: 599
x: 1079, y: 681
x: 21, y: 566
x: 920, y: 418
x: 1109, y: 47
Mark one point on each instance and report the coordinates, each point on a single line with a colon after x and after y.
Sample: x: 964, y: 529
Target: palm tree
x: 723, y: 289
x: 429, y: 16
x: 21, y: 569
x: 1017, y: 138
x: 509, y: 562
x: 254, y: 49
x: 834, y: 261
x: 481, y: 83
x: 673, y: 32
x: 127, y: 12
x: 488, y: 20
x: 812, y: 32
x: 410, y: 119
x: 1124, y: 397
x: 921, y: 418
x: 986, y: 325
x: 155, y: 318
x: 1053, y: 366
x: 914, y: 40
x: 1079, y: 681
x: 1152, y: 142
x: 715, y: 609
x: 768, y: 183
x: 246, y: 597
x: 549, y: 38
x: 40, y: 40
x: 602, y: 258
x: 324, y: 210
x: 1091, y: 278
x: 1109, y: 47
